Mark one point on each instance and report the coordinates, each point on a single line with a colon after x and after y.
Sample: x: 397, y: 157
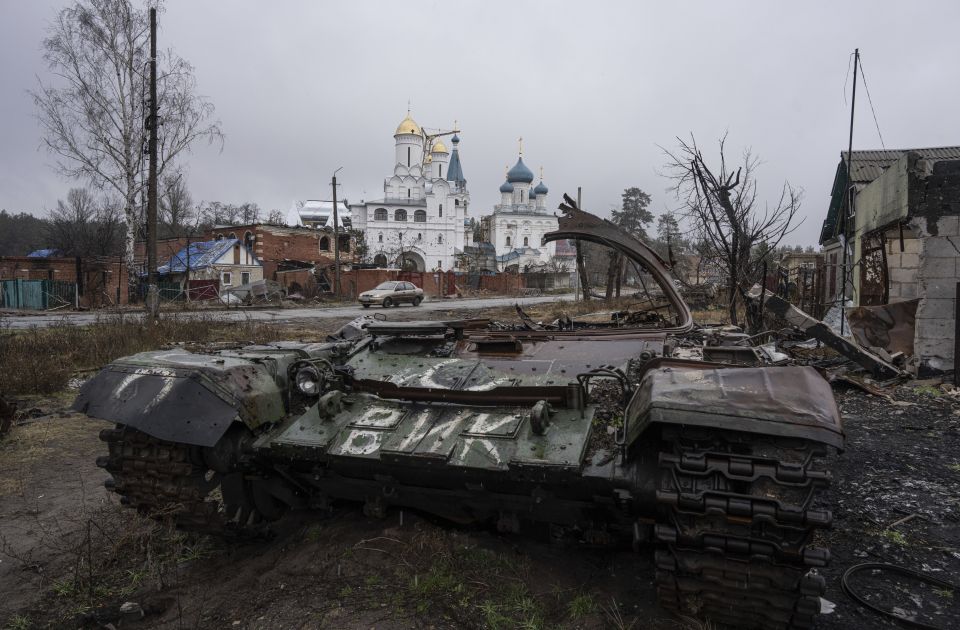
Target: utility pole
x: 336, y: 238
x: 848, y: 208
x: 153, y: 293
x: 581, y: 268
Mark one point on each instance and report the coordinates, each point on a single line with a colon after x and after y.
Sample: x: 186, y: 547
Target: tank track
x: 169, y: 481
x: 737, y: 514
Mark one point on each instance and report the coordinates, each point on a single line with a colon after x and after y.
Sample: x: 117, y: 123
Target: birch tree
x: 93, y: 106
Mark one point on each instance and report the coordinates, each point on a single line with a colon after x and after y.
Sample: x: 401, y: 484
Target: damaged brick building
x: 903, y: 234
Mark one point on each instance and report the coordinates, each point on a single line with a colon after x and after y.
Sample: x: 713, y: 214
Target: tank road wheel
x: 387, y: 302
x: 736, y: 516
x: 168, y: 480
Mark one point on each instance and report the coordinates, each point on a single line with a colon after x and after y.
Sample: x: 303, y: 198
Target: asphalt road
x: 279, y: 315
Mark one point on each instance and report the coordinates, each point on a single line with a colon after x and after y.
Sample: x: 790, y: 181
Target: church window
x: 408, y: 156
x: 408, y: 193
x: 521, y: 196
x: 526, y: 241
x: 400, y: 214
x: 419, y: 236
x: 380, y: 214
x: 441, y: 209
x: 324, y: 244
x: 420, y: 216
x: 508, y: 241
x: 440, y: 238
x: 440, y: 166
x: 380, y: 238
x: 456, y: 202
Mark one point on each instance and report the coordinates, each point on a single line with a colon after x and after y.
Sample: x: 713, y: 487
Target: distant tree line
x: 86, y: 224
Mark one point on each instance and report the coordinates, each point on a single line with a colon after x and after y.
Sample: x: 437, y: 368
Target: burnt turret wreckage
x: 718, y: 468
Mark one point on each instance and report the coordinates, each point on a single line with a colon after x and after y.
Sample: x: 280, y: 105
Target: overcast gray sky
x: 593, y: 87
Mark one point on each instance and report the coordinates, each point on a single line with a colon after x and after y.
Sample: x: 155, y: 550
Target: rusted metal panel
x: 888, y: 326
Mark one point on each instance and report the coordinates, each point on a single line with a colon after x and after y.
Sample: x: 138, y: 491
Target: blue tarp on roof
x: 44, y: 253
x: 517, y: 253
x: 201, y: 255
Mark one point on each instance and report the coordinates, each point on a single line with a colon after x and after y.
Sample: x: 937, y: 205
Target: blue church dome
x: 520, y: 173
x: 455, y: 139
x: 506, y: 187
x: 541, y: 189
x: 533, y: 194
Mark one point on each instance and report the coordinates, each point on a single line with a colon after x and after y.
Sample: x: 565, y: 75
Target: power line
x: 870, y: 100
x: 847, y: 78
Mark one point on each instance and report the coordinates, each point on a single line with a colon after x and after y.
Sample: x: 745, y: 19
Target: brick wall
x: 272, y: 244
x: 100, y: 278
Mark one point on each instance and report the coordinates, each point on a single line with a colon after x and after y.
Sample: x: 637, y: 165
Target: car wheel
x: 417, y: 300
x: 366, y: 306
x: 387, y: 302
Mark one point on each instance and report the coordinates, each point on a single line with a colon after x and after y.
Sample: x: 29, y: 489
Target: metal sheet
x: 161, y: 403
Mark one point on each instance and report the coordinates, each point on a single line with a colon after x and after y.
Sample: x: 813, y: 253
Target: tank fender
x: 175, y: 404
x: 793, y: 401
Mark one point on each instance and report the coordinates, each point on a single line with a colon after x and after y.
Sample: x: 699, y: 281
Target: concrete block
x: 934, y: 338
x: 909, y: 261
x: 894, y: 261
x: 939, y: 267
x: 941, y: 247
x: 911, y: 245
x: 902, y: 275
x: 936, y: 308
x: 908, y: 290
x: 948, y: 226
x: 938, y: 288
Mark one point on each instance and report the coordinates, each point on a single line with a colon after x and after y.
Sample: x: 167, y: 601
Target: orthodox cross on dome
x: 520, y: 140
x: 408, y: 107
x: 455, y: 128
x: 541, y: 173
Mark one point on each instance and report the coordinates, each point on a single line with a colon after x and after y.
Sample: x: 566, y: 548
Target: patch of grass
x: 18, y: 622
x: 41, y: 360
x: 894, y: 536
x: 313, y: 533
x: 946, y: 593
x: 954, y: 467
x: 928, y: 390
x: 581, y: 606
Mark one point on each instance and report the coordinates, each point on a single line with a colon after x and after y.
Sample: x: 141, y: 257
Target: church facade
x: 520, y: 220
x: 419, y: 224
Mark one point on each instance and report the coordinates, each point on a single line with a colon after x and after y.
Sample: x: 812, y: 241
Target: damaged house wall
x: 907, y: 246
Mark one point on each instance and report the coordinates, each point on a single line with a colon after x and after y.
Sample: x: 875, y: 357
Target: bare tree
x: 176, y: 205
x: 722, y: 207
x: 93, y: 113
x: 277, y: 217
x: 84, y: 226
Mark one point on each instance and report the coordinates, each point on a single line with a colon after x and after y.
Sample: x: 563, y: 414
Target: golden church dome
x: 439, y: 147
x: 408, y: 126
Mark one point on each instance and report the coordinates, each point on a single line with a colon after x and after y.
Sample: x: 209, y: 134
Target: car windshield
x: 386, y: 286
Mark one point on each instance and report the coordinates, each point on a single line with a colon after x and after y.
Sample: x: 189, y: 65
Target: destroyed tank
x: 720, y: 470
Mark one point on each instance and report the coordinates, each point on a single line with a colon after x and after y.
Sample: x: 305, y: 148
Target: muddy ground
x: 70, y: 555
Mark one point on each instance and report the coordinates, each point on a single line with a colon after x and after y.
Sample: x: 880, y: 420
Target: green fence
x: 37, y: 295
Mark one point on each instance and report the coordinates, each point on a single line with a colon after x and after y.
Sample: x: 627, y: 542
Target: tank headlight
x: 308, y: 380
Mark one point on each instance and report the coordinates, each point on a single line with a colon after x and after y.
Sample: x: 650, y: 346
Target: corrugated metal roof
x: 200, y: 255
x: 868, y: 165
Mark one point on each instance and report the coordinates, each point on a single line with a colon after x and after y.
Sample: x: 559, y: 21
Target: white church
x: 419, y: 224
x: 520, y: 220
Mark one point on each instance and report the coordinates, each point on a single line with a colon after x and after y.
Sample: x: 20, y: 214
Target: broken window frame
x: 874, y: 272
